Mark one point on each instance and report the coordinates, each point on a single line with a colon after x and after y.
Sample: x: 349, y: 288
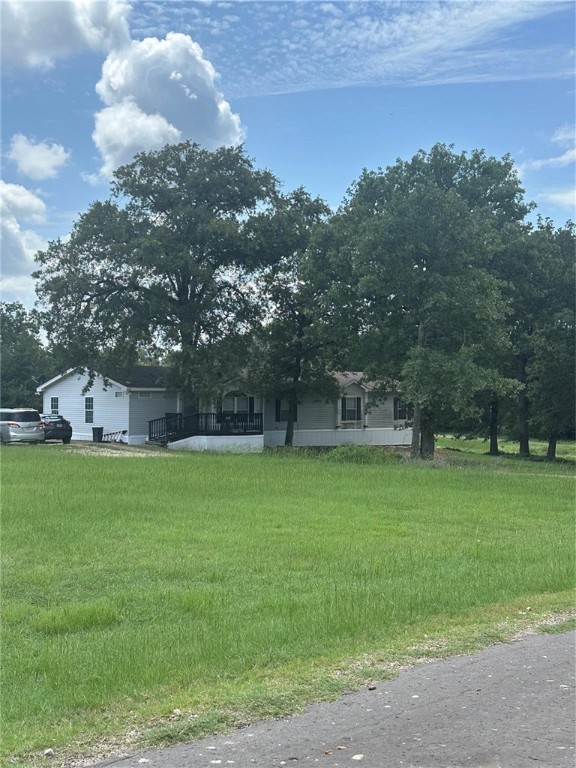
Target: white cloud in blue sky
x: 19, y: 208
x: 316, y: 90
x: 287, y: 47
x: 159, y: 92
x: 36, y: 33
x: 37, y: 160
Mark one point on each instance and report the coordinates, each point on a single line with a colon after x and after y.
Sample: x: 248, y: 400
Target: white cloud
x: 124, y: 129
x: 350, y: 43
x: 157, y: 92
x: 558, y: 161
x: 19, y: 289
x: 18, y: 207
x: 37, y: 160
x: 565, y: 136
x: 564, y: 199
x: 35, y: 33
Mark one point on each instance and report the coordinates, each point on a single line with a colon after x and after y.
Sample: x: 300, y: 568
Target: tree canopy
x: 290, y: 353
x: 164, y: 266
x: 429, y: 278
x: 413, y: 246
x: 25, y: 362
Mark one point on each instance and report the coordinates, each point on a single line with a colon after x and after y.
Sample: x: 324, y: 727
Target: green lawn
x: 236, y: 587
x: 565, y: 450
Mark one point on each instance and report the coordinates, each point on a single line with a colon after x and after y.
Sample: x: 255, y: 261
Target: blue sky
x: 316, y: 91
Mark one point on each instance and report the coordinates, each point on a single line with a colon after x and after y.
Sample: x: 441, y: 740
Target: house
x: 121, y: 405
x: 136, y: 408
x: 358, y: 416
x: 243, y: 421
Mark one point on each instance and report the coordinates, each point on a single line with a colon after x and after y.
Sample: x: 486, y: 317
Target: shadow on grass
x: 536, y: 458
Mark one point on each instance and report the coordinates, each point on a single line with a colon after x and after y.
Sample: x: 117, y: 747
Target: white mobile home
x: 135, y: 408
x: 120, y: 405
x: 244, y: 421
x: 358, y: 416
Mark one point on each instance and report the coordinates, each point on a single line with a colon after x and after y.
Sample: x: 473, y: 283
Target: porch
x: 178, y: 426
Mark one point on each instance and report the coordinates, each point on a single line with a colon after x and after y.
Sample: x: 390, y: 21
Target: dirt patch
x: 118, y: 449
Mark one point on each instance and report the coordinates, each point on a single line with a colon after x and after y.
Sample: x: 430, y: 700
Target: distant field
x: 182, y: 593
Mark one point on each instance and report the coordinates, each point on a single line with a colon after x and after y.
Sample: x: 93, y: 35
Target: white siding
x: 110, y: 412
x: 144, y: 409
x: 319, y: 423
x: 314, y: 413
x: 127, y: 413
x: 381, y: 414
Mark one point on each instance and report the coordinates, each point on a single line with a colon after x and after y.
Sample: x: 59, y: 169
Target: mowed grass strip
x: 132, y: 586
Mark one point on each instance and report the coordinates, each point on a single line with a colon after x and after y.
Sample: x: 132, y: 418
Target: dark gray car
x: 56, y: 427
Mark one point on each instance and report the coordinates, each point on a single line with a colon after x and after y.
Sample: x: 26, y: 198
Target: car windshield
x: 25, y: 416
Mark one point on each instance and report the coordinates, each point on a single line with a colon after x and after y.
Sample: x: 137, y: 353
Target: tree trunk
x: 494, y: 427
x: 552, y: 440
x: 415, y: 447
x: 289, y: 437
x: 523, y: 409
x: 427, y: 441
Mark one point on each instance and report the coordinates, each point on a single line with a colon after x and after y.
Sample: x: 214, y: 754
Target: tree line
x: 429, y: 278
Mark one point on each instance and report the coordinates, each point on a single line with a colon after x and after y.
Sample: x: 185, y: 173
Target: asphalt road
x: 508, y: 706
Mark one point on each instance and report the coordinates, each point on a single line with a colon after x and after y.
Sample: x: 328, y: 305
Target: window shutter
x: 295, y: 411
x: 343, y: 409
x: 278, y: 410
x: 251, y: 407
x: 358, y: 409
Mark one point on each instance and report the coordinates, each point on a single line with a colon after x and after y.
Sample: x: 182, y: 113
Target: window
x: 53, y: 405
x: 236, y: 402
x: 401, y: 411
x: 89, y: 410
x: 351, y: 409
x: 144, y: 394
x: 282, y: 410
x: 118, y: 394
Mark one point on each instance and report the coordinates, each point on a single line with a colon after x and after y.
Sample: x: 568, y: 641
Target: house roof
x: 346, y: 378
x: 140, y: 376
x: 134, y: 377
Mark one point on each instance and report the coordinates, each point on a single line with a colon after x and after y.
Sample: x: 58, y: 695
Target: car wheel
x: 66, y: 440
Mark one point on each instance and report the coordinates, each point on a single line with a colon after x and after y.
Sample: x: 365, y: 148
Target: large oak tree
x: 165, y: 265
x: 412, y: 246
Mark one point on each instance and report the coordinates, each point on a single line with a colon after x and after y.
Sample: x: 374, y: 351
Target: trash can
x: 97, y: 434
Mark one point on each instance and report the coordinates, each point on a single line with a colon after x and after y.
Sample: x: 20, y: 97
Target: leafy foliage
x: 290, y: 353
x: 412, y: 246
x: 164, y: 265
x: 428, y: 278
x: 25, y: 362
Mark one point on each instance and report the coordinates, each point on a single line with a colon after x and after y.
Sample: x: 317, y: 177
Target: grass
x: 565, y: 450
x: 229, y: 588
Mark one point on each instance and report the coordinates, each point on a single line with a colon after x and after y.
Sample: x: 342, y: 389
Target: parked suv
x: 21, y: 425
x: 56, y: 427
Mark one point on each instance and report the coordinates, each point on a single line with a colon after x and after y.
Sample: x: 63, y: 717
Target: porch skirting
x: 220, y: 443
x: 333, y: 437
x: 302, y: 438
